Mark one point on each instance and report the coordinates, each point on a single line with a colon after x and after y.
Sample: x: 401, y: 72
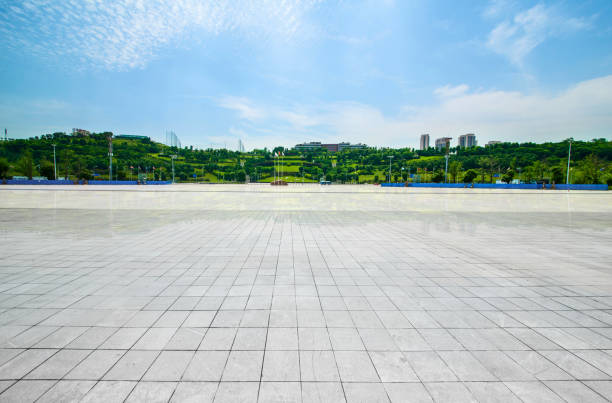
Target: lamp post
x: 173, y: 157
x: 54, y: 164
x: 569, y: 153
x: 446, y: 169
x: 109, y: 137
x: 390, y: 158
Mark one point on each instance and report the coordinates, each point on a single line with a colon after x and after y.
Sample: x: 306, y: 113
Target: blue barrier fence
x: 498, y: 186
x: 36, y: 182
x: 112, y: 183
x: 81, y: 182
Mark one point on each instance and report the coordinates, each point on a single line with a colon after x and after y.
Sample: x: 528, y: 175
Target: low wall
x: 498, y: 186
x: 36, y: 182
x: 81, y: 182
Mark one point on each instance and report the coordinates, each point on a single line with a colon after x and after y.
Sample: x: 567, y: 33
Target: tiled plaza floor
x: 241, y: 293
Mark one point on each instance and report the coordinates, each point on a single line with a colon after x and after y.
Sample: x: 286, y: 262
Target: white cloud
x: 581, y: 111
x: 495, y: 8
x: 515, y: 38
x: 126, y: 34
x: 449, y: 91
x: 245, y: 108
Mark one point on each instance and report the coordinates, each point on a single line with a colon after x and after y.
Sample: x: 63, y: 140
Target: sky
x: 281, y: 72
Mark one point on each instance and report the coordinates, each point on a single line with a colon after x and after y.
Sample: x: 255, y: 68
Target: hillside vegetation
x: 86, y: 157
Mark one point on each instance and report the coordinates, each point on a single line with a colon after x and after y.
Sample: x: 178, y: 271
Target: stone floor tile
x: 95, y: 365
x: 194, y: 392
x: 429, y: 367
x: 533, y: 392
x: 109, y: 391
x: 243, y: 366
x: 282, y: 339
x: 491, y: 392
x: 270, y: 392
x: 218, y: 339
x: 345, y: 339
x: 250, y: 338
x: 465, y: 366
x: 58, y: 365
x: 131, y: 366
x: 206, y: 366
x: 23, y: 363
x: 169, y: 366
x: 574, y: 365
x: 452, y: 392
x: 355, y: 366
x: 502, y: 366
x: 313, y: 339
x: 237, y: 392
x: 318, y: 366
x: 281, y: 366
x: 574, y: 391
x: 67, y: 391
x: 322, y: 392
x: 407, y: 392
x: 26, y: 391
x: 154, y: 392
x: 155, y: 338
x: 392, y: 367
x: 604, y: 388
x: 186, y: 338
x: 365, y: 392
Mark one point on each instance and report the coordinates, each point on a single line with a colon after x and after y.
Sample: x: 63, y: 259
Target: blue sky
x: 275, y: 72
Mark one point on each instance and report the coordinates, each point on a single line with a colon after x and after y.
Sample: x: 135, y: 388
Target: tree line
x: 86, y: 157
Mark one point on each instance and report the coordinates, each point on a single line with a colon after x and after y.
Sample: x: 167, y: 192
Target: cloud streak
x: 581, y: 111
x: 515, y: 38
x: 128, y: 34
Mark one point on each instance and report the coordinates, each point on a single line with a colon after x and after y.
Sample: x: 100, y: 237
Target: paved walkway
x: 381, y: 296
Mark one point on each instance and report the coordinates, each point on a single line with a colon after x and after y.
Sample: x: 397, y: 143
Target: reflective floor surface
x: 233, y: 293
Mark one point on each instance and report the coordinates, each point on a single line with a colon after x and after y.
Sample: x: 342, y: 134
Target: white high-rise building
x: 442, y: 142
x: 467, y: 140
x: 424, y: 142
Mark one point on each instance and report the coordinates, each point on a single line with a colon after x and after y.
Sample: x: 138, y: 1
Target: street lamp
x: 173, y: 158
x: 390, y: 158
x: 446, y: 169
x: 109, y: 137
x: 569, y: 153
x: 54, y: 164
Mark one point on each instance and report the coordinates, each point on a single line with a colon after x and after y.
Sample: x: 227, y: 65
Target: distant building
x: 424, y: 142
x: 331, y: 147
x: 308, y: 146
x: 132, y: 137
x: 80, y: 132
x: 442, y: 142
x: 467, y: 140
x: 493, y: 142
x: 349, y: 146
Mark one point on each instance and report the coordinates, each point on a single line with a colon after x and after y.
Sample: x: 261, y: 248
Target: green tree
x: 4, y: 167
x: 454, y: 168
x: 557, y: 174
x: 469, y: 176
x: 25, y: 165
x: 508, y: 176
x: 438, y: 177
x: 46, y: 169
